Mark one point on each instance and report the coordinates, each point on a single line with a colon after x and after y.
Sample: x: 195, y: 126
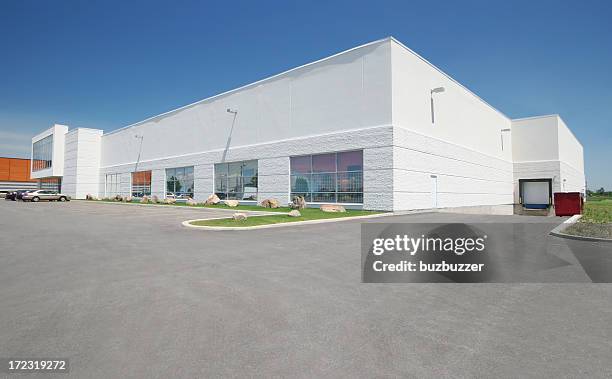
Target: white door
x: 535, y: 193
x: 434, y: 191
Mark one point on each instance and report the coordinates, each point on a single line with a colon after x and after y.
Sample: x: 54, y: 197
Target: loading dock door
x: 536, y: 194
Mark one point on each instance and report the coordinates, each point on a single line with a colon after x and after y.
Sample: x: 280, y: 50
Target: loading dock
x: 535, y: 193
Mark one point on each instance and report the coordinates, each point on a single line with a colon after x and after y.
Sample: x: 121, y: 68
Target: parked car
x: 39, y: 195
x: 15, y: 195
x: 3, y: 194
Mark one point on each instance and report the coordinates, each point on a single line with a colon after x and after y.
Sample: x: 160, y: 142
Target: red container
x: 568, y: 203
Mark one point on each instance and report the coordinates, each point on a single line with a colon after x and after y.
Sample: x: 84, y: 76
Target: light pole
x: 431, y: 93
x: 229, y: 137
x: 139, y: 151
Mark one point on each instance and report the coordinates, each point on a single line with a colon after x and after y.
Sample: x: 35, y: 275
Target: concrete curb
x: 279, y: 225
x: 558, y: 231
x: 263, y: 213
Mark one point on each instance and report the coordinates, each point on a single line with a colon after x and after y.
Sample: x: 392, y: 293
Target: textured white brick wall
x: 158, y: 183
x: 203, y: 177
x: 274, y: 179
x: 536, y: 170
x: 465, y: 177
x: 574, y: 179
x: 273, y: 164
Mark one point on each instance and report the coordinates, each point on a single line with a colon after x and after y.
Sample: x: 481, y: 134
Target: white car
x: 36, y: 196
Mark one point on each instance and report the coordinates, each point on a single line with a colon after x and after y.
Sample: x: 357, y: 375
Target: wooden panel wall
x: 15, y: 170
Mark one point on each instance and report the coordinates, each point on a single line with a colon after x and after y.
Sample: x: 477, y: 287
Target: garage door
x: 536, y: 194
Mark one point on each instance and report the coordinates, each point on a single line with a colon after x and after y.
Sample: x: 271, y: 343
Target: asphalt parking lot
x: 126, y: 291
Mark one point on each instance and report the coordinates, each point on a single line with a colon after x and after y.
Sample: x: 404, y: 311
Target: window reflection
x: 328, y: 178
x: 179, y: 182
x: 42, y: 153
x: 236, y: 180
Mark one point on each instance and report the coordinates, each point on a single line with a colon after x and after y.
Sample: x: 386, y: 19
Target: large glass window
x: 179, y: 182
x: 42, y: 153
x: 328, y: 178
x: 236, y: 180
x: 141, y: 183
x: 112, y: 185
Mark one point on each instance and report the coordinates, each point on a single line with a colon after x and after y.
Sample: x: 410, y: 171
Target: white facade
x: 58, y: 132
x: 420, y: 149
x: 545, y: 148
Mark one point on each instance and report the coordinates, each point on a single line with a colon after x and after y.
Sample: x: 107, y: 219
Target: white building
x: 373, y: 127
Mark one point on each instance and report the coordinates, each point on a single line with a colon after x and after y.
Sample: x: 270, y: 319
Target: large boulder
x: 239, y: 217
x: 270, y: 203
x: 170, y: 200
x: 298, y: 203
x: 118, y: 198
x: 294, y: 213
x: 154, y: 199
x: 145, y: 199
x: 212, y: 200
x: 127, y: 199
x: 231, y: 203
x: 192, y: 202
x: 333, y: 208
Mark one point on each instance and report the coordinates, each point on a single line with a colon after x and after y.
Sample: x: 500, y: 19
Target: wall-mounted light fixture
x: 232, y: 111
x: 431, y: 93
x: 501, y: 133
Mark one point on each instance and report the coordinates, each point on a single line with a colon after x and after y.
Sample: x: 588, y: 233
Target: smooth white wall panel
x: 344, y: 92
x: 535, y: 139
x: 461, y: 118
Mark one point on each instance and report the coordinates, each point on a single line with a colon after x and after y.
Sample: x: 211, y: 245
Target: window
x: 179, y: 182
x: 42, y: 153
x: 113, y: 185
x: 328, y: 178
x: 53, y: 184
x: 236, y: 180
x: 141, y: 183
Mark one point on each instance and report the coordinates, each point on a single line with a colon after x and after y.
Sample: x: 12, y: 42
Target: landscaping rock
x: 154, y: 199
x: 212, y: 200
x: 192, y: 202
x: 270, y: 203
x: 332, y: 208
x: 144, y: 200
x: 294, y: 213
x: 298, y: 203
x: 90, y: 197
x: 118, y: 198
x: 239, y: 216
x: 170, y: 200
x: 127, y: 199
x: 231, y: 203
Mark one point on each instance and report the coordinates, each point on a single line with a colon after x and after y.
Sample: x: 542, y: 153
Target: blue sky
x: 107, y: 64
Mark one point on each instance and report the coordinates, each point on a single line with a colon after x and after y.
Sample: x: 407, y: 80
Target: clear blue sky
x: 107, y: 64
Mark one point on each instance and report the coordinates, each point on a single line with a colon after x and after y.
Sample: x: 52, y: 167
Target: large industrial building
x: 373, y: 127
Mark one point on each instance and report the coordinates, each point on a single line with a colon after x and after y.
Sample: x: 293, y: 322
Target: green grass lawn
x: 597, y: 211
x: 307, y: 214
x: 596, y: 220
